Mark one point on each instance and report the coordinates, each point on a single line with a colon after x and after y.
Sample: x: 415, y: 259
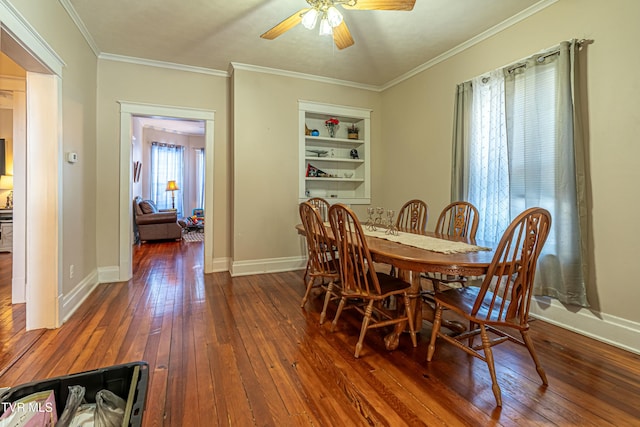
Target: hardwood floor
x: 240, y: 351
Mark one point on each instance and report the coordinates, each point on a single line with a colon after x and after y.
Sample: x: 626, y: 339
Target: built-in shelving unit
x: 329, y: 167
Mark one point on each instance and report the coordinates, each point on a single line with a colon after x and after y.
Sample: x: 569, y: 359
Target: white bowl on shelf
x: 348, y: 174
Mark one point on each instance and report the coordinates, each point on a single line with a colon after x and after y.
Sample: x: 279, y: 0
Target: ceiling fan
x: 331, y: 20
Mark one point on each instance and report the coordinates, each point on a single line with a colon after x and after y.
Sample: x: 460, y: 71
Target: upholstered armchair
x: 152, y: 224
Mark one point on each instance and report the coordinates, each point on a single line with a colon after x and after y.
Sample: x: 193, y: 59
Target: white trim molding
x: 109, y: 274
x: 603, y: 327
x: 298, y: 75
x: 220, y: 265
x: 70, y: 302
x: 269, y: 265
x: 162, y: 64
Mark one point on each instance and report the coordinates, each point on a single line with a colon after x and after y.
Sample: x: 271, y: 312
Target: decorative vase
x: 332, y: 129
x: 352, y: 135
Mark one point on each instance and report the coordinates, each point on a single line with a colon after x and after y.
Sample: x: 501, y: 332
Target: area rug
x: 193, y: 236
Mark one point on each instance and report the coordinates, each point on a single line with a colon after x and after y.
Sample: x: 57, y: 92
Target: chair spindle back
x: 357, y: 273
x: 511, y: 273
x: 318, y: 243
x: 458, y: 219
x: 413, y: 216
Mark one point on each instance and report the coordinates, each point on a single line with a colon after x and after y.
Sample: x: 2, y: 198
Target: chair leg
x: 472, y: 326
x: 307, y: 292
x: 437, y: 321
x: 343, y: 300
x: 306, y: 270
x: 327, y: 298
x: 365, y: 325
x: 488, y: 355
x: 529, y: 344
x: 412, y: 327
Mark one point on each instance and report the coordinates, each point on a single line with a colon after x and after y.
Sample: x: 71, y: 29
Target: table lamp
x: 6, y: 183
x: 172, y: 186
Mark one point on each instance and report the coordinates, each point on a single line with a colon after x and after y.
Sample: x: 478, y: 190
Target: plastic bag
x: 109, y: 409
x: 84, y: 416
x: 76, y: 395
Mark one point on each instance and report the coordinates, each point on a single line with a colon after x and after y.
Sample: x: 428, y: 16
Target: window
x: 515, y: 148
x: 166, y: 165
x: 200, y: 169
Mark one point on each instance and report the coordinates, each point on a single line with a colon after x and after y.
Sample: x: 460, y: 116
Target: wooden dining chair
x: 322, y: 206
x: 321, y: 262
x: 364, y: 289
x: 413, y: 216
x: 502, y: 302
x: 458, y: 219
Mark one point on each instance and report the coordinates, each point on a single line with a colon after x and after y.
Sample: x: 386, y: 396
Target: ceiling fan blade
x: 285, y: 25
x: 342, y: 36
x: 382, y: 5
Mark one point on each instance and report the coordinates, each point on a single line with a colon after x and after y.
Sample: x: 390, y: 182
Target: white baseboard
x: 270, y: 265
x: 221, y: 264
x: 109, y: 274
x: 70, y: 302
x: 603, y: 327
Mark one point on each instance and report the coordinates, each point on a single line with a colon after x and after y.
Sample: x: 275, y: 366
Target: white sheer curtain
x: 167, y: 163
x: 200, y: 169
x: 521, y: 149
x: 488, y: 156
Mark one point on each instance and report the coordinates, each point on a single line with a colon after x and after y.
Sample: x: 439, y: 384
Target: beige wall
x: 265, y: 129
x: 78, y: 235
x: 119, y: 81
x: 418, y: 117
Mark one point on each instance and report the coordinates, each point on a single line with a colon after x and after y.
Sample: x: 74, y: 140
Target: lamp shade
x: 172, y: 186
x: 334, y: 16
x: 325, y: 27
x: 6, y: 182
x: 309, y: 19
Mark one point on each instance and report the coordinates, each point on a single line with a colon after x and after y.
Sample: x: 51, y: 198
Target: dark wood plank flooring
x: 240, y: 351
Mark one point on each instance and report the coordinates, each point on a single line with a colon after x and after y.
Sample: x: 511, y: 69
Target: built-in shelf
x: 342, y: 155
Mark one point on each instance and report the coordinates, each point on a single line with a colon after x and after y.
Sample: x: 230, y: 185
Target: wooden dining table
x: 411, y: 261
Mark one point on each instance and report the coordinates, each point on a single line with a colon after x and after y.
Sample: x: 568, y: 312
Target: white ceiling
x: 211, y: 34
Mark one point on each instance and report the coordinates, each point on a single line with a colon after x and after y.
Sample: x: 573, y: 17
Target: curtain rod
x: 544, y: 56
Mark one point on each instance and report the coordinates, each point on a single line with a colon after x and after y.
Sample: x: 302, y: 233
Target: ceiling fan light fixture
x: 325, y: 27
x: 309, y: 19
x: 334, y: 16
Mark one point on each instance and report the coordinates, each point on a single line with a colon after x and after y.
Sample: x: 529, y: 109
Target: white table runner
x: 426, y: 242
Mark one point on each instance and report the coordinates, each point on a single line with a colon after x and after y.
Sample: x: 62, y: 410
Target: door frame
x: 39, y: 219
x: 127, y: 111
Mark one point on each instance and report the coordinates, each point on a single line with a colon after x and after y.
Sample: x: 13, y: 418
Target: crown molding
x: 295, y: 74
x: 71, y: 11
x: 162, y: 64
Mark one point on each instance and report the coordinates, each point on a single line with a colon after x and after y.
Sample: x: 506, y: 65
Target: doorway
x: 37, y: 251
x: 129, y: 111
